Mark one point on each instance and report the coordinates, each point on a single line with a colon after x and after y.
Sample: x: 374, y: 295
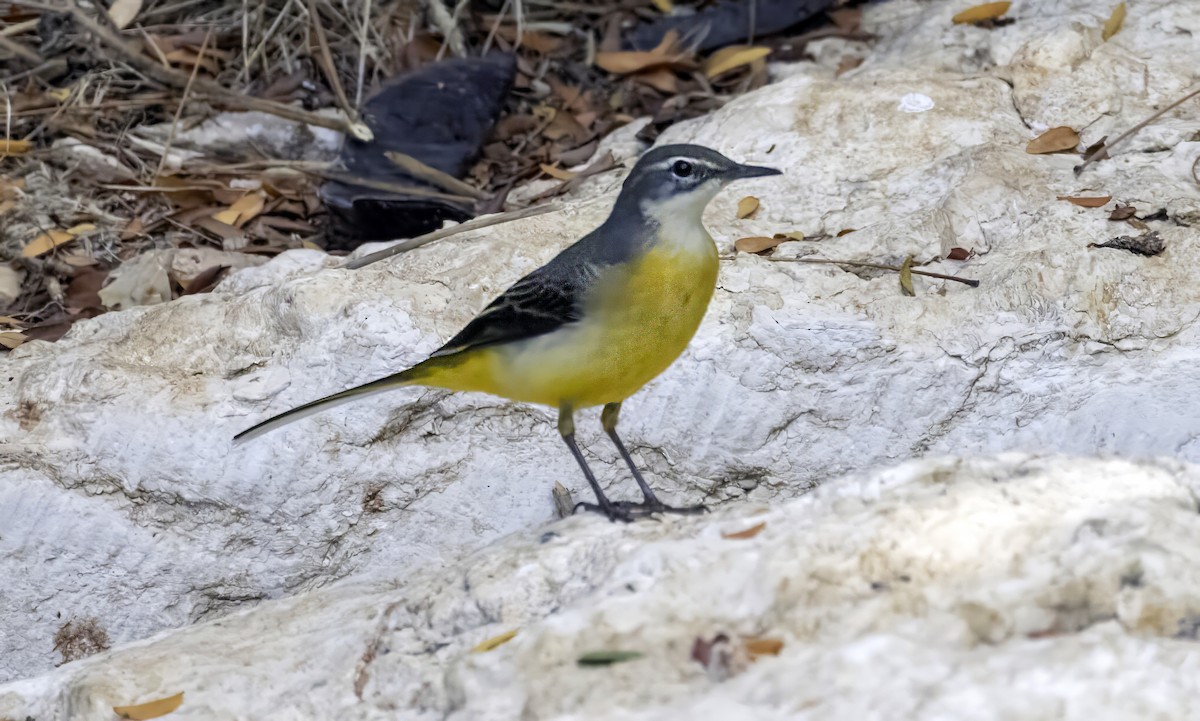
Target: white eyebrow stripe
x: 665, y: 164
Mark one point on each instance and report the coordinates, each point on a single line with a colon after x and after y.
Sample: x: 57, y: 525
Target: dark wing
x: 541, y: 302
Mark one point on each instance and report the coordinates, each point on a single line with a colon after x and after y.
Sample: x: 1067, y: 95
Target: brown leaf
x: 844, y: 231
x: 756, y: 244
x: 958, y: 254
x: 1053, y: 140
x: 242, y: 211
x: 1114, y: 22
x: 83, y: 292
x: 219, y: 229
x: 46, y: 242
x: 556, y: 173
x: 847, y: 64
x: 150, y: 709
x: 906, y: 282
x: 627, y: 62
x: 747, y: 207
x: 733, y: 57
x: 750, y: 532
x: 980, y: 13
x: 11, y: 146
x: 205, y: 280
x: 660, y: 79
x: 1122, y: 212
x: 11, y: 339
x: 122, y: 12
x: 763, y: 646
x: 495, y: 642
x: 1085, y: 201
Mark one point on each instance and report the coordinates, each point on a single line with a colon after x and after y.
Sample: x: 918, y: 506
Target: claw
x: 615, y: 512
x: 646, y: 508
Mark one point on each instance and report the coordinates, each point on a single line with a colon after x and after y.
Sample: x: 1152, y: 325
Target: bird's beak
x: 739, y: 172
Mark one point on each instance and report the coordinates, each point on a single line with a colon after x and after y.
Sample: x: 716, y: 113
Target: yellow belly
x: 637, y: 321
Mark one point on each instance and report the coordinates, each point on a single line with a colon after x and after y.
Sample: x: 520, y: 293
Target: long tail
x: 399, y: 380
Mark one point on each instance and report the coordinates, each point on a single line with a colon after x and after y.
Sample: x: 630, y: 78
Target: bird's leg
x: 650, y: 502
x: 566, y: 428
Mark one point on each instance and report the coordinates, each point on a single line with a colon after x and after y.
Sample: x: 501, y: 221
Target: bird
x: 595, y: 324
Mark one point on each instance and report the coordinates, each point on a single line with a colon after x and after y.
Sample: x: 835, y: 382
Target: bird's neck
x: 679, y: 221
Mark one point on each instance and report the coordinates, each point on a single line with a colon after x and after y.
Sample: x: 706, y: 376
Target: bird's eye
x: 682, y: 168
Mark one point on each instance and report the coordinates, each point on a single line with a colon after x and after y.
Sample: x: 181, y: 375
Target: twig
x: 445, y: 181
x: 179, y: 110
x: 880, y: 266
x: 326, y: 60
x: 18, y: 28
x: 1102, y: 152
x: 17, y: 48
x: 397, y: 188
x: 208, y: 88
x: 364, y: 30
x: 407, y: 245
x: 491, y: 36
x: 448, y: 24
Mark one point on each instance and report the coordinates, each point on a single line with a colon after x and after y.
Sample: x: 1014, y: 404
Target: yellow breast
x: 637, y: 320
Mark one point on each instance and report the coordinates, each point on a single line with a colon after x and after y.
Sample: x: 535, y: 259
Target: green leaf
x: 906, y: 286
x: 607, y: 658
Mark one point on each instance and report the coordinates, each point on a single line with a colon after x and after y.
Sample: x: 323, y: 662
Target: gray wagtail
x: 596, y: 323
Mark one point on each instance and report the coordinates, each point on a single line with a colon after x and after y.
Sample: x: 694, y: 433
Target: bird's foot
x: 653, y: 505
x: 614, y: 511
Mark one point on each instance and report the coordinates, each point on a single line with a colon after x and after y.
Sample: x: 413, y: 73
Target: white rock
x: 1009, y: 589
x: 121, y: 498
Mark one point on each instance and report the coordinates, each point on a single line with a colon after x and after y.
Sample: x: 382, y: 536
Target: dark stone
x: 440, y: 114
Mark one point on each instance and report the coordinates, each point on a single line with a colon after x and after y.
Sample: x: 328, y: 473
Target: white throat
x: 680, y: 217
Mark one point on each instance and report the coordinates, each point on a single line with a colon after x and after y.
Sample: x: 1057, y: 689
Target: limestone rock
x: 122, y: 499
x: 1011, y: 589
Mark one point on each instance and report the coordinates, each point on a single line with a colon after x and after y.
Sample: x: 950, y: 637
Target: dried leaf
x: 1113, y: 24
x: 122, y: 12
x: 660, y: 79
x: 11, y: 339
x: 1085, y: 201
x: 78, y: 230
x: 12, y: 146
x: 958, y: 254
x: 150, y: 709
x: 906, y: 284
x: 205, y: 280
x: 750, y: 532
x: 733, y: 57
x: 1053, y: 140
x: 557, y: 173
x: 248, y: 208
x: 747, y: 207
x: 1122, y: 212
x: 631, y: 61
x: 495, y: 642
x: 1147, y: 244
x: 763, y: 646
x: 664, y: 6
x: 981, y: 13
x: 845, y: 231
x: 607, y: 658
x: 46, y: 242
x: 756, y: 244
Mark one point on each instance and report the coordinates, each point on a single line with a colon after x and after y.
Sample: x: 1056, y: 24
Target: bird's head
x: 681, y: 179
